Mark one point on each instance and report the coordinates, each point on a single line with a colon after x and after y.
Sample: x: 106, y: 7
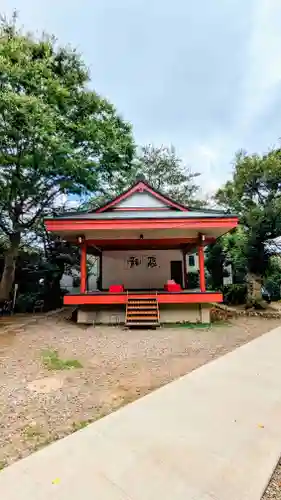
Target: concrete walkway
x: 214, y: 434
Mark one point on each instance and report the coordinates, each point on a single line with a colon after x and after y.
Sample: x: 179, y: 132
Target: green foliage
x: 214, y: 261
x: 77, y: 426
x: 235, y: 294
x: 52, y: 361
x: 163, y: 170
x: 25, y: 302
x: 192, y: 280
x: 32, y: 431
x: 272, y: 279
x: 3, y: 464
x: 255, y: 194
x: 229, y: 249
x: 273, y: 285
x: 57, y: 137
x: 191, y: 326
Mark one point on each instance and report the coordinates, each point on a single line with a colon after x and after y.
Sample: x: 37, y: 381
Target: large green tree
x: 254, y: 193
x: 163, y: 169
x: 57, y: 137
x: 166, y: 172
x: 229, y: 249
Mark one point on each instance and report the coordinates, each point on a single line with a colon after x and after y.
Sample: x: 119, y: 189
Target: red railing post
x: 83, y: 267
x: 201, y: 267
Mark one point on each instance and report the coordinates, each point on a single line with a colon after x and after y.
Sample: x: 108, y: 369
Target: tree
x: 273, y: 277
x: 229, y: 249
x: 163, y: 170
x: 215, y: 261
x: 235, y: 250
x: 254, y: 193
x: 57, y: 137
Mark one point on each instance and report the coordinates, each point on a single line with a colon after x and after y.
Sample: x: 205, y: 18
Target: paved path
x: 214, y: 434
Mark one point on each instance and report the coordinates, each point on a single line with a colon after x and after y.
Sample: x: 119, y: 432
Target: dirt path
x: 38, y: 405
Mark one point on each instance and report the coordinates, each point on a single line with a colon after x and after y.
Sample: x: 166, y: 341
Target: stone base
x: 169, y: 313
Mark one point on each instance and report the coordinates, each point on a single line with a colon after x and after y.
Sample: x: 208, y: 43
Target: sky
x: 202, y: 75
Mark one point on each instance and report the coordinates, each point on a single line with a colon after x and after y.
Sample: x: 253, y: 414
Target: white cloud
x: 206, y: 159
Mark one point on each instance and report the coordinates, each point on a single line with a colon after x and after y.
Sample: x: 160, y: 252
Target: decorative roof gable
x: 141, y: 196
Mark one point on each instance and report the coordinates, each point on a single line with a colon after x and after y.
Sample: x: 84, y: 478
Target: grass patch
x: 194, y: 326
x: 52, y: 361
x: 76, y: 426
x: 3, y: 464
x: 221, y: 322
x: 32, y: 431
x: 46, y: 441
x: 101, y: 413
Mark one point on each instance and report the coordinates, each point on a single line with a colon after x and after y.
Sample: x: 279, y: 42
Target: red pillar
x: 83, y: 267
x: 184, y: 269
x: 201, y: 268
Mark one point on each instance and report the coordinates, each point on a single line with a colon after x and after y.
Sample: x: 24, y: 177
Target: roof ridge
x: 150, y: 189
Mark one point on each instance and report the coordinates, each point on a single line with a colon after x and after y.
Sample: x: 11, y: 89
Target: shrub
x: 192, y: 279
x: 273, y: 284
x: 25, y: 302
x: 235, y: 294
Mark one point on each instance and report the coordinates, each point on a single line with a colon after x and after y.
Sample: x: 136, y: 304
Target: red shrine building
x: 142, y: 239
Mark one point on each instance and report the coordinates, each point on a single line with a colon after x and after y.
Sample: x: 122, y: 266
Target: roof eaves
x: 77, y: 216
x: 213, y: 211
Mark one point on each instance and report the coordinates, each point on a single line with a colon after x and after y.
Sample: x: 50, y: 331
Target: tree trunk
x: 254, y: 294
x: 52, y: 292
x: 8, y: 276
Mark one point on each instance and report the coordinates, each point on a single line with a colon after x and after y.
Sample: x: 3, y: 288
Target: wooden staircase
x: 142, y: 311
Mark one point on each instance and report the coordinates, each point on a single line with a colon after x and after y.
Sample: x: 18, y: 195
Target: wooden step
x: 143, y: 319
x: 142, y: 311
x: 143, y: 306
x: 139, y: 324
x: 144, y: 316
x: 142, y: 302
x: 132, y: 306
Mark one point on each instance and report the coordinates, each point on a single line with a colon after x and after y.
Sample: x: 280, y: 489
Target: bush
x: 192, y: 280
x: 235, y: 294
x: 273, y: 284
x: 25, y: 302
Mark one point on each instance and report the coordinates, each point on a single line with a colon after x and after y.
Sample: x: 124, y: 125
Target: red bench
x: 116, y: 288
x: 171, y: 286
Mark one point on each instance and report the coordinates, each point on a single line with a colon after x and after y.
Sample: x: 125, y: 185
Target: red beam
x: 136, y: 244
x: 164, y: 298
x: 79, y: 225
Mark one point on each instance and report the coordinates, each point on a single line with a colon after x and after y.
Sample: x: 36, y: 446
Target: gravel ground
x: 273, y: 490
x: 38, y: 406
